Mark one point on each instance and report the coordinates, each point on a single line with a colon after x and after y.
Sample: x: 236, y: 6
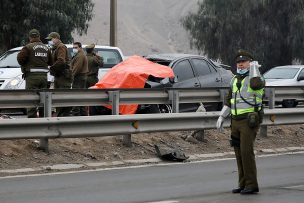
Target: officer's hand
x: 219, y: 124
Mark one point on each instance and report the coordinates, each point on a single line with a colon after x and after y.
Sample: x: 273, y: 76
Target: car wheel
x: 24, y: 111
x: 164, y: 108
x: 289, y: 103
x: 157, y: 108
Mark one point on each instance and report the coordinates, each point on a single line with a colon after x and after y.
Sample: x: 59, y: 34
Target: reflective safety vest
x: 245, y: 99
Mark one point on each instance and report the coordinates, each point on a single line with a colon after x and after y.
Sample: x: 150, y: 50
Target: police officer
x: 79, y: 67
x: 34, y: 59
x: 244, y: 103
x: 60, y: 69
x: 94, y: 62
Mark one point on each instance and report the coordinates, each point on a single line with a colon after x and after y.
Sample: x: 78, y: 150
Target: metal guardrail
x: 88, y: 97
x: 98, y: 126
x: 71, y: 97
x: 115, y: 97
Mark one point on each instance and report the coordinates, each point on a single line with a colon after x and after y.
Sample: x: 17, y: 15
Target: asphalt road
x: 281, y: 180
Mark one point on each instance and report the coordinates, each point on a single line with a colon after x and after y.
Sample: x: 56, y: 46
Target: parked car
x: 193, y: 71
x: 190, y: 71
x: 291, y: 75
x: 134, y: 72
x: 11, y: 75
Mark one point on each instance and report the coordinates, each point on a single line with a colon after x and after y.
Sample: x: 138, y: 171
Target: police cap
x: 91, y: 46
x: 53, y: 35
x: 34, y: 33
x: 243, y: 55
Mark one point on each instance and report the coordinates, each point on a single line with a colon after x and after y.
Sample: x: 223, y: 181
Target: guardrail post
x: 271, y: 103
x: 46, y: 99
x: 174, y: 99
x: 114, y: 97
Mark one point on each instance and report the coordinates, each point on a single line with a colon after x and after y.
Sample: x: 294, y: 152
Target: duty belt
x: 239, y: 117
x: 38, y: 70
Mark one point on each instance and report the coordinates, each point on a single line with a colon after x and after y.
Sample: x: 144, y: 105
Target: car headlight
x: 14, y: 83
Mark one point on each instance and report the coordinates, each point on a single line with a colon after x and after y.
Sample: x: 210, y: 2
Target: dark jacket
x: 34, y: 55
x: 94, y: 62
x: 79, y: 64
x: 60, y: 59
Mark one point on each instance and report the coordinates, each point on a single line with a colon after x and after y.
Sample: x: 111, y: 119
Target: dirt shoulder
x: 24, y: 153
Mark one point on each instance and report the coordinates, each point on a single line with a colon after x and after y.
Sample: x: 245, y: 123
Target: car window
x: 302, y: 72
x: 9, y: 59
x: 201, y: 66
x: 183, y: 70
x: 281, y: 73
x: 111, y: 57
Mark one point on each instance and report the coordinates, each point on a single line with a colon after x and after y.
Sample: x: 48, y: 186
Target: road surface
x: 281, y: 180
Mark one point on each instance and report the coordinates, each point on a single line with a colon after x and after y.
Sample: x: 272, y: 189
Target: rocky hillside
x: 144, y: 26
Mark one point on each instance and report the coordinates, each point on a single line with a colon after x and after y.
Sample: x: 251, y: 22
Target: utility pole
x: 113, y: 23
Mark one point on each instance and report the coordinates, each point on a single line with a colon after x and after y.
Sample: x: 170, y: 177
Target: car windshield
x: 281, y: 73
x: 9, y: 60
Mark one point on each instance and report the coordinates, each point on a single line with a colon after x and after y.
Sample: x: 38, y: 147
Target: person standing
x: 60, y: 69
x: 244, y: 103
x: 34, y: 59
x: 79, y: 67
x: 94, y: 62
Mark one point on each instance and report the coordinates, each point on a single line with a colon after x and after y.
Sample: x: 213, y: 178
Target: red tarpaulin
x: 132, y: 73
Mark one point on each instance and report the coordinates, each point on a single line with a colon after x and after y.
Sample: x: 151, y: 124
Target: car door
x: 185, y: 75
x: 207, y: 75
x: 186, y: 79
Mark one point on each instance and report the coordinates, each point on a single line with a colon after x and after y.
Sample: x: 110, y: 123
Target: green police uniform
x: 94, y: 62
x: 34, y: 59
x: 243, y: 136
x: 79, y: 67
x: 61, y: 71
x: 245, y: 100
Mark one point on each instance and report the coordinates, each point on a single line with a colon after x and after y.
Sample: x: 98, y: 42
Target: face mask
x: 51, y: 43
x: 241, y: 71
x: 75, y: 51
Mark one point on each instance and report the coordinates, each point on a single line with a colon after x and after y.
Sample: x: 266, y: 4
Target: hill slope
x: 144, y: 26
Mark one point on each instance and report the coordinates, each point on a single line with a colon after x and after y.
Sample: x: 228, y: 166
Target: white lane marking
x: 140, y: 166
x: 294, y: 187
x: 167, y: 201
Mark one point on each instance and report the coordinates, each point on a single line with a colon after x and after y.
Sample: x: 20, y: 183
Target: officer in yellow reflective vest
x: 244, y: 104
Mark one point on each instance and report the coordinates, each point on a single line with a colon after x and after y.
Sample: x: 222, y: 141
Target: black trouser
x: 61, y: 82
x: 79, y: 82
x: 34, y: 81
x: 245, y: 153
x: 91, y: 80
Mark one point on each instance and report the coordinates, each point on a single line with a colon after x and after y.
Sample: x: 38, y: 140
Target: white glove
x: 219, y: 124
x: 254, y: 70
x: 223, y: 114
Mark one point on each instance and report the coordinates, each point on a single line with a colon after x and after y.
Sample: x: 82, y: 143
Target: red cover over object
x: 132, y: 73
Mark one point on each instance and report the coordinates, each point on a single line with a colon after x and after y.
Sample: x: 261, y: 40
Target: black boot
x: 249, y: 191
x: 237, y: 190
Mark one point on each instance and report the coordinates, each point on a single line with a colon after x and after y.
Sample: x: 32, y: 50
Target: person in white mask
x: 244, y: 104
x: 79, y: 67
x: 60, y: 69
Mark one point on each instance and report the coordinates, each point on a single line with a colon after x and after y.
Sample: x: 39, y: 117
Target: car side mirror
x: 300, y: 78
x: 166, y: 82
x: 173, y: 80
